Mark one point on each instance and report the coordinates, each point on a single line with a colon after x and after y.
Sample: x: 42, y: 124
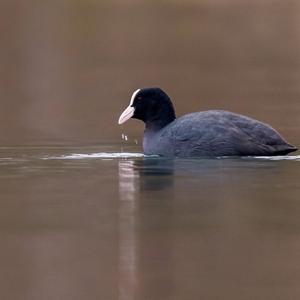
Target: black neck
x: 158, y: 123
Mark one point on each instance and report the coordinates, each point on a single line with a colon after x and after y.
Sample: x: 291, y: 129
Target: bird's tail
x: 284, y: 149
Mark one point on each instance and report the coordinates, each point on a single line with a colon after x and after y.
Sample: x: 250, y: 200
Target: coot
x: 210, y: 133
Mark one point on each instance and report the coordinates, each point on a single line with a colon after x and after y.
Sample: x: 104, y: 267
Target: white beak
x: 126, y: 114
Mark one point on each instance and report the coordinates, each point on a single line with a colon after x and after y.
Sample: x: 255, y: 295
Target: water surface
x: 83, y: 223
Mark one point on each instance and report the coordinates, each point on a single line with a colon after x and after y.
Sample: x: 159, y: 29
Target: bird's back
x: 216, y: 133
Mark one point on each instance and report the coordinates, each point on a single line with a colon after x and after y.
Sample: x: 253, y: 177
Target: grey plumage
x: 215, y: 133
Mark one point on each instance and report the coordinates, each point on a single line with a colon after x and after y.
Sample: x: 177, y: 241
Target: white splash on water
x: 278, y: 158
x: 103, y: 155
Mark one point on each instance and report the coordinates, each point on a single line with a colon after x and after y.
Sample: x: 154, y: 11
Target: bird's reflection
x: 136, y: 176
x: 155, y: 173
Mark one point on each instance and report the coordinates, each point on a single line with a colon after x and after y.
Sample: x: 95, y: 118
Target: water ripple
x: 112, y: 155
x: 288, y: 157
x: 103, y: 155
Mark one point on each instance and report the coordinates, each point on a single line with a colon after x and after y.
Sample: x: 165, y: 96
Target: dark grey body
x: 215, y: 133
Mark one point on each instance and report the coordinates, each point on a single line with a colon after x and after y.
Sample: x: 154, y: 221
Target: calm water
x: 81, y: 223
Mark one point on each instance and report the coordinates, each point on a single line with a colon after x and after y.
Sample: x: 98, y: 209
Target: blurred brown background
x: 68, y: 68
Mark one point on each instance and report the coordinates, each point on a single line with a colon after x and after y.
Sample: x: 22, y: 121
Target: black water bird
x: 212, y: 133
